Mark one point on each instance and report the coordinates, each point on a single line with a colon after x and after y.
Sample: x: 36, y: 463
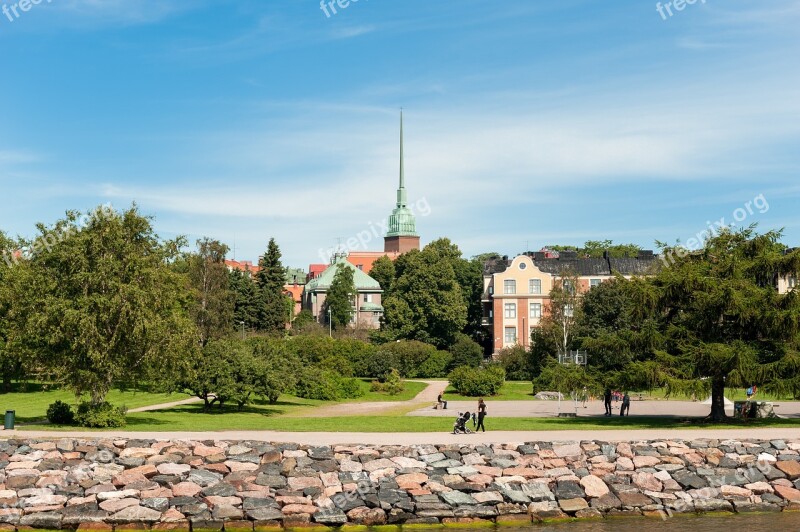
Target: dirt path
x: 426, y: 396
x: 163, y: 406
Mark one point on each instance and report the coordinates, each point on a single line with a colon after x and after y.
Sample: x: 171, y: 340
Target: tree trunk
x: 718, y: 399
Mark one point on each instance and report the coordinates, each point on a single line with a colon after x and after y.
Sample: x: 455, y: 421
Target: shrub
x: 476, y: 382
x: 465, y: 352
x: 102, y: 416
x: 393, y: 385
x: 517, y: 362
x: 327, y: 385
x: 435, y: 366
x: 60, y: 413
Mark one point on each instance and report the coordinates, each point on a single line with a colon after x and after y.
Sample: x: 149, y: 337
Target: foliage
x: 477, y: 382
x: 247, y: 301
x: 326, y: 385
x: 412, y: 359
x: 565, y: 378
x: 60, y: 413
x: 11, y: 359
x: 213, y: 302
x: 303, y: 320
x: 713, y: 318
x: 100, y: 416
x: 270, y: 279
x: 465, y: 352
x: 517, y: 363
x: 426, y: 302
x: 340, y: 297
x: 99, y: 303
x: 597, y: 248
x: 435, y: 366
x: 230, y: 371
x: 392, y: 385
x: 383, y: 271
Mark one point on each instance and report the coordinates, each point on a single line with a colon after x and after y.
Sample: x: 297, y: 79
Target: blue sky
x: 527, y: 122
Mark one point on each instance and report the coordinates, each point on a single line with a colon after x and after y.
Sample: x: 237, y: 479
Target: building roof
x: 362, y: 281
x: 402, y: 221
x: 646, y: 262
x: 366, y: 259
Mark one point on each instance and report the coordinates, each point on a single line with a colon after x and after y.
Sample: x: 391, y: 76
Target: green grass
x: 511, y: 391
x: 30, y: 400
x: 734, y: 394
x: 279, y: 417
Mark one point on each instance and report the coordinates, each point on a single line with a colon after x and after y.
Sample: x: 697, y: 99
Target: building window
x: 360, y: 267
x: 491, y: 314
x: 511, y: 335
x: 522, y: 266
x: 792, y: 281
x: 491, y: 290
x: 536, y: 310
x: 510, y: 286
x: 535, y: 286
x: 367, y: 298
x: 594, y: 282
x: 510, y: 310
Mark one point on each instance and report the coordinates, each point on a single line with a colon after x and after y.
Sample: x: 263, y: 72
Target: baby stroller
x: 460, y: 426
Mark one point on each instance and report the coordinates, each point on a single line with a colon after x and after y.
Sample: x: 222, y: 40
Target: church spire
x: 402, y: 196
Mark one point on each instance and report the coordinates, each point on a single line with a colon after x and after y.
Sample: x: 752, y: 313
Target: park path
x: 426, y: 438
x: 164, y: 406
x: 427, y: 397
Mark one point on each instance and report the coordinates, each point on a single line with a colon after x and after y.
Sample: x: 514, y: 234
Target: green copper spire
x: 402, y: 222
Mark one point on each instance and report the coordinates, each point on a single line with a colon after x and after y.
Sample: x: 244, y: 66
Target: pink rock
x: 223, y: 501
x: 186, y: 489
x: 173, y: 469
x: 624, y: 449
x: 241, y: 466
x: 735, y: 491
x: 759, y: 487
x: 594, y: 486
x: 790, y: 494
x: 624, y: 464
x: 330, y: 479
x: 647, y: 481
x: 202, y: 450
x: 115, y: 505
x: 367, y: 516
x: 148, y: 470
x: 286, y: 500
x: 292, y: 509
x: 172, y: 516
x: 301, y: 483
x: 645, y: 461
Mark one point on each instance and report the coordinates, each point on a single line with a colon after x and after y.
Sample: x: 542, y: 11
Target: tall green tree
x: 341, y: 296
x: 213, y: 305
x: 426, y: 303
x: 716, y: 319
x: 271, y: 279
x: 383, y: 271
x: 247, y: 301
x: 11, y: 360
x: 597, y: 248
x: 99, y: 303
x: 564, y: 306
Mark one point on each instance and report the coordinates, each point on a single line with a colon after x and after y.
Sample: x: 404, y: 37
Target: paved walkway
x: 426, y: 397
x: 393, y: 438
x: 163, y: 406
x: 790, y: 409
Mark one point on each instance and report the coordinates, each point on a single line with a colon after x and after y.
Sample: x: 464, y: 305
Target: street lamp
x: 242, y: 324
x: 330, y: 324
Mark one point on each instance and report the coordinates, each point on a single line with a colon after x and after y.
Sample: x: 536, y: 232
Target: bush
x: 476, y: 382
x: 60, y: 413
x: 465, y: 352
x: 393, y: 385
x: 412, y: 359
x: 435, y: 366
x: 102, y: 416
x: 327, y: 385
x: 517, y: 362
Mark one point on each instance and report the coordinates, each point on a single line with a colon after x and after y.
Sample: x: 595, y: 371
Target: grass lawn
x: 511, y: 391
x: 279, y: 417
x: 31, y: 404
x: 734, y: 394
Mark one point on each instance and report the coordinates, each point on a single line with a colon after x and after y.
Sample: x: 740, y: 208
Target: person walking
x: 481, y: 415
x: 626, y: 405
x: 585, y: 396
x: 607, y: 401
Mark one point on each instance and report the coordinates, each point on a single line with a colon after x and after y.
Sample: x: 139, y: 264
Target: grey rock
x: 334, y: 517
x: 204, y: 478
x: 264, y: 514
x: 157, y: 503
x: 457, y: 498
x: 689, y: 480
x: 537, y: 492
x: 569, y: 489
x: 222, y: 489
x: 136, y: 514
x: 47, y: 520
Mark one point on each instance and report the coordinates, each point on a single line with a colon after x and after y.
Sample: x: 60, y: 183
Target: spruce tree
x: 340, y: 297
x: 271, y: 279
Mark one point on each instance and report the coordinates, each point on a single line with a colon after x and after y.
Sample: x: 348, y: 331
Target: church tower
x: 402, y: 235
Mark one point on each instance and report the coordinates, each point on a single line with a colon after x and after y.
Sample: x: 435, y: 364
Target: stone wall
x: 177, y: 485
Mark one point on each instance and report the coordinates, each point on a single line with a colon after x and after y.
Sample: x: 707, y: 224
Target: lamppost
x: 242, y: 324
x: 330, y: 324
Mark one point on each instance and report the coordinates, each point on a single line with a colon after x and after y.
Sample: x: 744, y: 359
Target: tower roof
x: 402, y: 221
